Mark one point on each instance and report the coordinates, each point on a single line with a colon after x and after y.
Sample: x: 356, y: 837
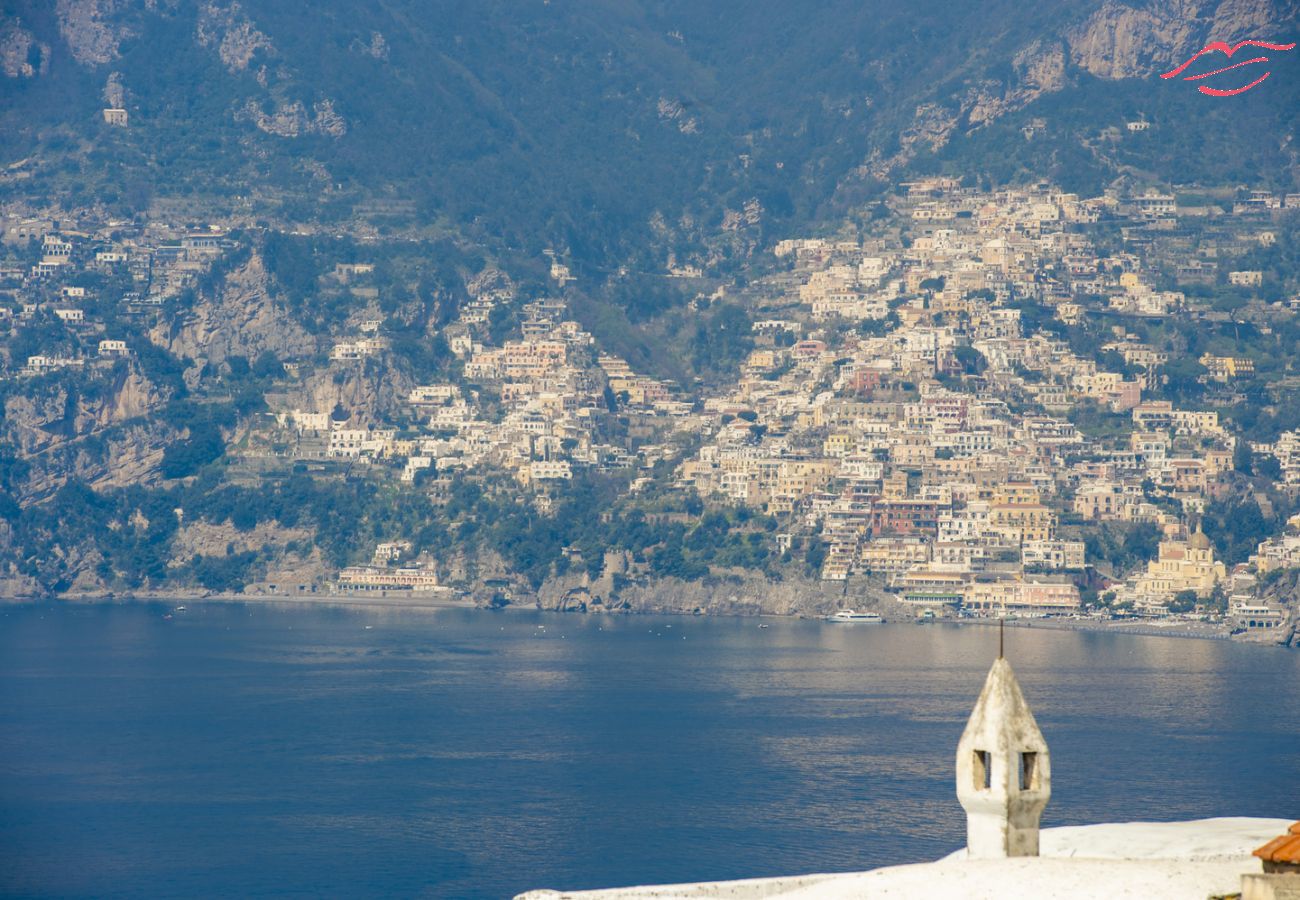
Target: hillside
x: 649, y: 305
x: 616, y: 132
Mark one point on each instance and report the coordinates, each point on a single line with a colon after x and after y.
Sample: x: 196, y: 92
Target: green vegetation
x: 616, y: 133
x: 1122, y: 547
x: 1236, y: 525
x: 134, y: 529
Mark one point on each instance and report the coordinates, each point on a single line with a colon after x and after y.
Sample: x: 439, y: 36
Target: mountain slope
x: 617, y: 131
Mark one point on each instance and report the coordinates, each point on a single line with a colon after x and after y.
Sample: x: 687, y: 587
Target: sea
x: 255, y: 750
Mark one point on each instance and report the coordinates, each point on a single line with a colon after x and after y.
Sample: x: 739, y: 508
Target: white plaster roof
x: 1148, y: 860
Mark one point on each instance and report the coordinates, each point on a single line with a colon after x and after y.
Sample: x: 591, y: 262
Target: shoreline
x: 387, y: 601
x: 1134, y: 627
x: 1137, y: 627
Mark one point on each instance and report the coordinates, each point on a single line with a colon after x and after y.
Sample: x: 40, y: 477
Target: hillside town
x: 916, y: 411
x: 936, y: 450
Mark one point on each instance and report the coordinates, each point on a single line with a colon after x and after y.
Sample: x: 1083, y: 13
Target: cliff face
x: 239, y: 318
x: 368, y: 391
x: 21, y: 54
x: 103, y: 437
x: 1119, y: 41
x: 1285, y: 591
x: 1111, y: 41
x: 94, y: 29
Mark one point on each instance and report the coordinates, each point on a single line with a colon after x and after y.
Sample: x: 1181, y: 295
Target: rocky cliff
x: 236, y: 318
x: 1121, y: 41
x: 101, y: 433
x: 21, y: 54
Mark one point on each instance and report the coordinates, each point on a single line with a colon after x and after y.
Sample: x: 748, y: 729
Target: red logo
x: 1221, y: 47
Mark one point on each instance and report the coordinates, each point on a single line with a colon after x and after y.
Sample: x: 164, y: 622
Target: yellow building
x: 1023, y: 521
x: 838, y: 444
x: 1182, y: 566
x: 1225, y: 368
x: 1016, y: 492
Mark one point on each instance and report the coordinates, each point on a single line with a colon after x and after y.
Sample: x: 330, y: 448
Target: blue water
x: 252, y: 750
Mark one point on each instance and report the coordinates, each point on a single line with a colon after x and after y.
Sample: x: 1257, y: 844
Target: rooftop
x: 1284, y: 849
x: 1148, y: 860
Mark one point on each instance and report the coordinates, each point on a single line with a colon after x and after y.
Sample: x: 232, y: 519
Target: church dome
x: 1199, y: 541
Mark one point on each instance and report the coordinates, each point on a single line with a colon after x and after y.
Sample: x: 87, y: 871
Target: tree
x: 1268, y: 467
x: 1243, y: 458
x: 971, y: 360
x: 268, y: 366
x: 186, y: 457
x: 1184, y: 601
x: 722, y: 340
x: 1237, y: 526
x: 814, y: 557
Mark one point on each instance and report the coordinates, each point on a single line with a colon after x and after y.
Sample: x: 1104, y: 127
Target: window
x: 983, y: 770
x: 1028, y: 771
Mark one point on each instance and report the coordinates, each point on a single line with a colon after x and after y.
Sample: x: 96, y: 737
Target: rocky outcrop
x: 230, y: 30
x: 751, y: 594
x: 238, y: 319
x: 103, y: 437
x: 326, y: 120
x: 21, y: 55
x: 1119, y: 41
x: 1114, y: 41
x: 239, y: 44
x: 378, y: 46
x: 114, y: 92
x: 129, y: 457
x: 368, y: 391
x: 92, y: 29
x: 1123, y: 42
x: 749, y: 215
x: 674, y: 111
x: 1284, y: 591
x: 1039, y: 68
x: 57, y: 413
x: 133, y: 395
x: 289, y: 120
x: 490, y: 281
x: 289, y: 572
x: 208, y: 539
x: 16, y: 586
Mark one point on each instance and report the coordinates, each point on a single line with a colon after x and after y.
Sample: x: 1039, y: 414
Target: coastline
x: 359, y: 601
x: 1203, y: 631
x: 443, y: 600
x: 1140, y: 627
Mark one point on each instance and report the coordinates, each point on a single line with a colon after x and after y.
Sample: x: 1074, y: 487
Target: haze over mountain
x: 612, y: 129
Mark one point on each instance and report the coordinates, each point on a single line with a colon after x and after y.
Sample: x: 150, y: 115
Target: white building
x: 1004, y: 772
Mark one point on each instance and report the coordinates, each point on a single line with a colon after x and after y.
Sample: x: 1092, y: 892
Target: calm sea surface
x: 252, y: 750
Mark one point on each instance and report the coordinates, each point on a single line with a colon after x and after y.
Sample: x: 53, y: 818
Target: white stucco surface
x: 1149, y: 860
x: 1002, y: 799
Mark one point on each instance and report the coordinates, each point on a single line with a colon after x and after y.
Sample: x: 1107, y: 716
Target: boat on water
x: 851, y: 617
x: 180, y: 609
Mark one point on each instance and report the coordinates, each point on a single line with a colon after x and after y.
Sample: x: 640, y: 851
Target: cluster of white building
x: 908, y: 420
x: 554, y: 393
x: 156, y: 261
